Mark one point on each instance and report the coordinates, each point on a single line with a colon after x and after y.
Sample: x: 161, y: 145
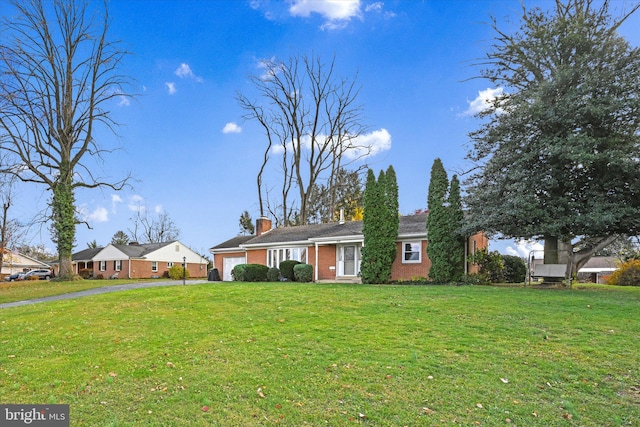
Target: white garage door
x: 229, y: 263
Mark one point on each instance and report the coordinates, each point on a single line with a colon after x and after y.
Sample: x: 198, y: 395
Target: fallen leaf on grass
x: 504, y: 380
x: 113, y: 374
x: 428, y: 411
x: 170, y: 365
x: 567, y: 416
x: 205, y: 408
x: 260, y: 393
x: 479, y: 405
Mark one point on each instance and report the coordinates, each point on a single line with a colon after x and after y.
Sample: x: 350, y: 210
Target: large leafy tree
x: 59, y: 77
x: 343, y: 192
x: 559, y: 152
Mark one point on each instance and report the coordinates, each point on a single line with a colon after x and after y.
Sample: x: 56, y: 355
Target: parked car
x: 14, y: 277
x: 40, y: 273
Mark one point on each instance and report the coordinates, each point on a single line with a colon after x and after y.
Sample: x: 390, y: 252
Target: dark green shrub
x: 177, y: 272
x: 286, y: 269
x: 303, y: 272
x: 100, y: 277
x: 490, y: 264
x: 515, y: 269
x: 255, y: 273
x: 627, y: 275
x: 238, y: 272
x: 273, y: 275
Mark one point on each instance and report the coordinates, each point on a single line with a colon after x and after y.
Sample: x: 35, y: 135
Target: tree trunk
x: 550, y: 249
x: 3, y: 242
x: 64, y: 224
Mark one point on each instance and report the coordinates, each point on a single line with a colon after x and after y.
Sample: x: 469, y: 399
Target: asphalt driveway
x: 98, y: 291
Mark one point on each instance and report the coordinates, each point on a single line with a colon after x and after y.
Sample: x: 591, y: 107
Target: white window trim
x: 102, y: 265
x: 404, y: 252
x: 117, y: 265
x: 283, y: 250
x: 154, y: 266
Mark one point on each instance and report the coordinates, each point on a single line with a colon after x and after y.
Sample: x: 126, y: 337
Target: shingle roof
x: 138, y: 251
x: 132, y: 251
x: 412, y: 224
x: 234, y: 242
x: 86, y: 254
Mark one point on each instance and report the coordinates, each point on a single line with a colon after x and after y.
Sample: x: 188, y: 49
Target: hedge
x: 286, y: 269
x: 303, y: 272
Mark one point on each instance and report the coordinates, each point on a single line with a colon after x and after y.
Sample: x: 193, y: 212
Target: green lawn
x: 29, y: 289
x: 303, y: 354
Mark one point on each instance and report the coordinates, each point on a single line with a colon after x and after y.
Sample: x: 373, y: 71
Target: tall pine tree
x: 392, y: 214
x: 438, y: 228
x: 379, y: 226
x: 456, y: 215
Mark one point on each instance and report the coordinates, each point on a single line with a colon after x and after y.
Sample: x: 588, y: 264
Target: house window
x: 177, y: 248
x: 411, y: 252
x: 102, y: 266
x: 117, y: 265
x: 154, y: 266
x: 169, y: 264
x: 276, y: 256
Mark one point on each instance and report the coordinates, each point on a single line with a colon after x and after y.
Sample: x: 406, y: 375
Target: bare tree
x: 153, y: 229
x: 310, y: 118
x: 8, y: 227
x: 59, y: 78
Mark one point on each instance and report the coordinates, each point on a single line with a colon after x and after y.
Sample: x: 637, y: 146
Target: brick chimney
x: 263, y: 224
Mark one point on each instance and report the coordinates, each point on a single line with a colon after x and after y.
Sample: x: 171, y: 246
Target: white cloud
x: 115, y: 199
x: 363, y: 146
x: 158, y: 209
x: 370, y: 144
x: 231, y: 127
x: 524, y: 247
x: 184, y: 71
x: 337, y: 12
x: 374, y: 7
x: 100, y: 214
x: 124, y: 101
x: 483, y: 101
x: 136, y: 203
x: 171, y: 87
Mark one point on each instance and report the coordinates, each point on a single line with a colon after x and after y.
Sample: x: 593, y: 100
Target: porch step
x: 341, y: 280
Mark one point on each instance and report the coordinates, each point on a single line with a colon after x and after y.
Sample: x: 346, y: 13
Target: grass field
x: 235, y: 354
x: 28, y: 289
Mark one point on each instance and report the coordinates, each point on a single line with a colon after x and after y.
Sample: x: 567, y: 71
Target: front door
x: 348, y: 260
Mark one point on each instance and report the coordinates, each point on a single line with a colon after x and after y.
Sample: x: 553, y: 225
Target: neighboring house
x: 598, y: 269
x: 334, y: 249
x: 134, y: 261
x: 14, y: 262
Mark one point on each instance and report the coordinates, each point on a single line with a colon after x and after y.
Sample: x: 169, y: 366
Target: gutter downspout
x: 316, y: 267
x: 466, y: 257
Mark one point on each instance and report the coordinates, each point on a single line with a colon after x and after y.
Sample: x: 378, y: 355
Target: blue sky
x: 191, y: 154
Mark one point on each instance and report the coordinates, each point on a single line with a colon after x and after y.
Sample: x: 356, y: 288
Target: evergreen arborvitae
x: 437, y: 225
x: 456, y: 252
x: 370, y: 230
x: 392, y: 214
x: 379, y: 226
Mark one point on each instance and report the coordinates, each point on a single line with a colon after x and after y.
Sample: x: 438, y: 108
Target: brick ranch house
x: 333, y: 249
x: 135, y: 261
